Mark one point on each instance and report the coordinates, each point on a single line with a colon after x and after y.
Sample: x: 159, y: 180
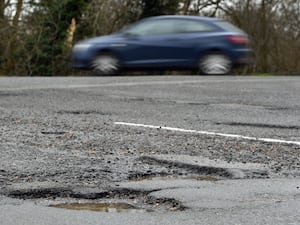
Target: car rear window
x: 228, y: 26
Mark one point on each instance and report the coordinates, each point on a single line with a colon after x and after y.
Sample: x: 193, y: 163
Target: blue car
x: 209, y: 45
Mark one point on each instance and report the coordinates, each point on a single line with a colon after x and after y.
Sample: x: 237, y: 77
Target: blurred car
x: 209, y: 45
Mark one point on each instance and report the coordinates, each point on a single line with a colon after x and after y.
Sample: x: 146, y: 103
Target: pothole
x: 188, y: 168
x: 84, y: 112
x: 100, y: 207
x: 35, y: 193
x: 196, y: 170
x: 172, y: 177
x: 53, y: 132
x: 10, y: 94
x: 261, y: 125
x: 168, y: 203
x: 115, y: 200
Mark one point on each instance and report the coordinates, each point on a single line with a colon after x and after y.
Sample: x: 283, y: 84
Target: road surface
x: 178, y: 149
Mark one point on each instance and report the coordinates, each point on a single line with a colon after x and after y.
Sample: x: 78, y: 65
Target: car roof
x: 201, y: 18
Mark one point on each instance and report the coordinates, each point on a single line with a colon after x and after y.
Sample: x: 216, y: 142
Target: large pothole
x: 136, y: 194
x: 114, y: 200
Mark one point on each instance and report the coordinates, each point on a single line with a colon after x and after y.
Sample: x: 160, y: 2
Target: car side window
x: 157, y: 27
x: 189, y: 26
x: 140, y: 29
x: 163, y: 27
x: 169, y: 26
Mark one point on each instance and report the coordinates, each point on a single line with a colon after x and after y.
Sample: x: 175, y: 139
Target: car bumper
x: 81, y: 58
x: 243, y: 57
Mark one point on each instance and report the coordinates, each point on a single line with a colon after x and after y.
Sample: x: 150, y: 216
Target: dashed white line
x: 269, y: 140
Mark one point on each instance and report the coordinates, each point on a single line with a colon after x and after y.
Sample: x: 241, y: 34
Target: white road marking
x: 269, y: 140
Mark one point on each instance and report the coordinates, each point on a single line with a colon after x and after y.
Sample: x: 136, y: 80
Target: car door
x: 156, y: 43
x: 166, y: 42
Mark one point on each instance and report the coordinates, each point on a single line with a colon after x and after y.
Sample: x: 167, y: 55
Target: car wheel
x: 106, y: 64
x: 215, y: 64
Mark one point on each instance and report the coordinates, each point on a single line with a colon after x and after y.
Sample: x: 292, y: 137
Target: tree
x: 35, y: 34
x: 9, y: 34
x: 45, y: 45
x: 273, y: 29
x: 159, y: 7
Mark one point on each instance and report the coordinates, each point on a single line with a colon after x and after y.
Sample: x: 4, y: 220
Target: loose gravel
x: 53, y: 137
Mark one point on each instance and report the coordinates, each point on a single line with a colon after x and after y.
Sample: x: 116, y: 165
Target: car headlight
x: 81, y: 46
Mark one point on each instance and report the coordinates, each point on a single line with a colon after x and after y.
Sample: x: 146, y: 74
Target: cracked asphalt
x: 59, y: 137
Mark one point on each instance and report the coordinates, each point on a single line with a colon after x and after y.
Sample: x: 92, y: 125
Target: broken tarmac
x: 222, y: 195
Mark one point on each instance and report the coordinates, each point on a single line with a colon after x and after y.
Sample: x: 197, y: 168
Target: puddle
x: 171, y: 177
x: 100, y: 207
x: 202, y: 178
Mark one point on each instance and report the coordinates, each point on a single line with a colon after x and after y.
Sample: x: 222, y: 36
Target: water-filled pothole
x: 142, y: 177
x: 100, y: 207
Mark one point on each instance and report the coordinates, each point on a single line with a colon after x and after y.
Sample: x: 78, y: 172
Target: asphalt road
x: 90, y: 139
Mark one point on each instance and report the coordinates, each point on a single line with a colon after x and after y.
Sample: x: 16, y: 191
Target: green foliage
x: 46, y: 42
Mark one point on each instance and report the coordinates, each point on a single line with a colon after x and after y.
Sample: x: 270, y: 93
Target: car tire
x: 106, y: 64
x: 215, y: 64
